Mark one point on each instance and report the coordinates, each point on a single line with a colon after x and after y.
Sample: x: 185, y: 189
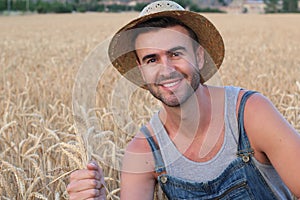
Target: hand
x: 87, y: 183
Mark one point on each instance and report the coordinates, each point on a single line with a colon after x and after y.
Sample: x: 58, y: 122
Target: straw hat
x: 121, y: 49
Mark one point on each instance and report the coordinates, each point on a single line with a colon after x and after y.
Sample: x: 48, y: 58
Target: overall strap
x: 159, y: 163
x: 244, y: 148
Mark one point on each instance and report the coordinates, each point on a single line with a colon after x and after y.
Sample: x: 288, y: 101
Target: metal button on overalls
x: 163, y: 179
x: 246, y: 159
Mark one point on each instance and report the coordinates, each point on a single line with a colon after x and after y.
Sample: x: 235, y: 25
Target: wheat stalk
x: 18, y: 176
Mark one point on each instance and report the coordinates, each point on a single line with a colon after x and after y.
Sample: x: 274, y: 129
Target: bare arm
x: 137, y: 178
x: 271, y: 135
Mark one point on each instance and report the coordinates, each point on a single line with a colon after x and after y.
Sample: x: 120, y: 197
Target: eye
x: 151, y: 60
x: 175, y: 55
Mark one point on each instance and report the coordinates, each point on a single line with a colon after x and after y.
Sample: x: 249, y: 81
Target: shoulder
x: 274, y: 139
x: 258, y: 122
x: 263, y: 122
x: 138, y: 155
x: 139, y: 143
x: 254, y: 102
x: 258, y: 109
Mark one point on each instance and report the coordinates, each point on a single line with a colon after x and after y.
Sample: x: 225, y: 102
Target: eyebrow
x: 168, y: 52
x: 149, y: 56
x: 176, y: 49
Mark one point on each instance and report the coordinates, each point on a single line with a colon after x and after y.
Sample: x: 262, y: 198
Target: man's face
x: 169, y: 64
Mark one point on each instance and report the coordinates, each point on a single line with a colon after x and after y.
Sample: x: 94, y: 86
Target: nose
x: 167, y: 66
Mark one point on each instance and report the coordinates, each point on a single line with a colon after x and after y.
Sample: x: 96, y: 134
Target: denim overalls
x: 241, y: 180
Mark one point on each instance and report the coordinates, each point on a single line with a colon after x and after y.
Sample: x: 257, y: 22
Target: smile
x: 171, y: 84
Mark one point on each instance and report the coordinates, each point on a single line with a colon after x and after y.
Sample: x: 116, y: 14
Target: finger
x: 93, y: 166
x: 85, y: 184
x: 85, y: 194
x: 85, y: 174
x: 98, y: 198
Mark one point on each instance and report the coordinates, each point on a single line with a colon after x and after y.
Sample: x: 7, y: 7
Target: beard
x: 176, y: 99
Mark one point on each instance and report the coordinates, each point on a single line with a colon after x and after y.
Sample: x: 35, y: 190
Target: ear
x: 200, y: 56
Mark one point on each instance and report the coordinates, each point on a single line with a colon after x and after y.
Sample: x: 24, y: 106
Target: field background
x: 40, y: 56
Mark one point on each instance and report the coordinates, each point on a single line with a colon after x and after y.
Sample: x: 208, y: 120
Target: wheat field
x: 42, y: 140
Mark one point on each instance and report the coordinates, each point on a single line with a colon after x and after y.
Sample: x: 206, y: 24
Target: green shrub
x: 3, y: 5
x: 18, y: 5
x: 139, y: 6
x: 58, y: 7
x: 42, y: 7
x: 118, y: 8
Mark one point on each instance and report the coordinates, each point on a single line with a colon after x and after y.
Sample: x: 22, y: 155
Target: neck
x: 192, y: 117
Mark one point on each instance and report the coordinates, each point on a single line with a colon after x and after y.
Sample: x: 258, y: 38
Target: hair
x: 162, y: 22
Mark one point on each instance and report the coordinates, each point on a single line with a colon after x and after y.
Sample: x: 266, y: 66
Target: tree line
x: 284, y: 6
x: 57, y: 6
x: 67, y: 6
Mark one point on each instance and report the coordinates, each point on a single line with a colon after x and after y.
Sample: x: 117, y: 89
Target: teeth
x: 170, y: 84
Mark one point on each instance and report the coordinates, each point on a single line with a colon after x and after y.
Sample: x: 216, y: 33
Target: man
x: 205, y: 142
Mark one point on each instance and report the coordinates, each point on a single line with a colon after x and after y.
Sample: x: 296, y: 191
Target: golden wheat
x: 43, y: 141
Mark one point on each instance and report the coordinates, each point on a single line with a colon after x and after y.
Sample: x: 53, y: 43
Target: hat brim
x: 123, y: 56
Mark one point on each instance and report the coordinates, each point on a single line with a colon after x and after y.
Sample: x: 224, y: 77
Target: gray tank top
x: 179, y: 166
